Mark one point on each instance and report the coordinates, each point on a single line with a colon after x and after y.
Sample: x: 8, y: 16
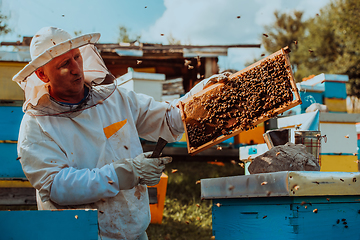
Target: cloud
x: 205, y: 22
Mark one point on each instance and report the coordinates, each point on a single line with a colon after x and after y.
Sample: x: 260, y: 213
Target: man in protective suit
x: 79, y: 141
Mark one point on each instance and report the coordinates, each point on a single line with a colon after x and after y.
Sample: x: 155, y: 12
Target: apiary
x: 249, y: 97
x: 285, y: 205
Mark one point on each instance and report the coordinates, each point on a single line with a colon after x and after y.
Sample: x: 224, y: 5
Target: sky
x: 196, y: 22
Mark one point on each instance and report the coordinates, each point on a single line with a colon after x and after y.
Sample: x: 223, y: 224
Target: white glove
x: 140, y: 170
x: 217, y: 78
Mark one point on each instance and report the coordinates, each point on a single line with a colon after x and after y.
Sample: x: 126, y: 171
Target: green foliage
x: 4, y: 28
x: 185, y: 215
x: 327, y: 43
x: 284, y: 32
x: 125, y: 37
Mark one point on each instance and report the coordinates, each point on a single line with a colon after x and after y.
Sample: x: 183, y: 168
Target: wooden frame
x: 293, y: 103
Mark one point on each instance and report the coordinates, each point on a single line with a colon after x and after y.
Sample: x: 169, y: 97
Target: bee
x: 187, y: 62
x: 162, y: 34
x: 174, y: 170
x: 76, y: 216
x: 265, y: 216
x: 138, y: 61
x: 341, y: 179
x: 310, y: 51
x: 264, y: 183
x: 110, y: 182
x: 278, y: 153
x: 265, y: 35
x: 218, y: 204
x: 198, y: 205
x: 238, y: 17
x: 315, y: 210
x: 231, y: 187
x: 190, y: 67
x: 198, y: 182
x: 347, y: 136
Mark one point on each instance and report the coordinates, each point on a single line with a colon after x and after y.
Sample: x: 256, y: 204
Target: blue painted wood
x: 309, y: 98
x: 10, y: 119
x: 9, y: 166
x: 337, y: 217
x: 45, y: 225
x: 335, y: 90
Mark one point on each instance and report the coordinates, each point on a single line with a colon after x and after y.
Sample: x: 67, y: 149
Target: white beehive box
x: 147, y: 83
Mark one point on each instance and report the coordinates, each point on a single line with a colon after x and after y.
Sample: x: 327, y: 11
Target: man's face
x: 65, y: 76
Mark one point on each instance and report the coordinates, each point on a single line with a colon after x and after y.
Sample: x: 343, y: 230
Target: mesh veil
x: 39, y: 102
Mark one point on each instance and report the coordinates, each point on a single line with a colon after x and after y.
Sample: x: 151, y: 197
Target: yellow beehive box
x: 9, y: 90
x: 338, y: 163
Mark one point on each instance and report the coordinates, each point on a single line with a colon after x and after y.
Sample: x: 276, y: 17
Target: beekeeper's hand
x: 140, y: 170
x: 218, y: 78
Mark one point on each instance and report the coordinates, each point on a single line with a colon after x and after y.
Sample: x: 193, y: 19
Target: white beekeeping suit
x: 88, y: 155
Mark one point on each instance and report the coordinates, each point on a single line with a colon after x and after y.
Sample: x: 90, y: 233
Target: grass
x: 185, y: 215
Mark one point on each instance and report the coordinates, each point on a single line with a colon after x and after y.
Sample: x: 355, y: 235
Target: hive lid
x: 279, y: 184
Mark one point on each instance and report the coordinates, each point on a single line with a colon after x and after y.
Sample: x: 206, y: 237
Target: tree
x: 287, y: 30
x: 172, y: 40
x: 125, y: 37
x: 4, y: 28
x: 327, y: 43
x: 333, y: 38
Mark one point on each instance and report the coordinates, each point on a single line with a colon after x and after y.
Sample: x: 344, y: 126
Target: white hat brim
x: 53, y: 52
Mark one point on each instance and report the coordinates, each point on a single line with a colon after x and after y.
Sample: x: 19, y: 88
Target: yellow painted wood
x: 253, y: 136
x: 335, y: 104
x: 157, y: 210
x: 338, y: 163
x: 10, y: 90
x: 15, y: 184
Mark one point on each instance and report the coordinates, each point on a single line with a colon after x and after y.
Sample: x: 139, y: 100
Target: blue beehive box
x: 285, y: 205
x: 10, y: 123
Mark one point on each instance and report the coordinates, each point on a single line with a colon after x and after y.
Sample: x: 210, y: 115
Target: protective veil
x: 68, y: 152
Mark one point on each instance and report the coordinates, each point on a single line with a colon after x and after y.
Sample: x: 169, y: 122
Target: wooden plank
x: 47, y: 224
x: 17, y: 196
x: 272, y: 112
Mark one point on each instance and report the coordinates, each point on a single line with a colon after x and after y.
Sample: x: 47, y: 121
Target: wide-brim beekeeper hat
x: 49, y: 43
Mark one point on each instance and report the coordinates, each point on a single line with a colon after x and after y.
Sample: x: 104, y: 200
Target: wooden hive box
x: 250, y: 96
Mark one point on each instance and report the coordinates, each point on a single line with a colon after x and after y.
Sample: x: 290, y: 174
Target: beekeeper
x: 79, y: 141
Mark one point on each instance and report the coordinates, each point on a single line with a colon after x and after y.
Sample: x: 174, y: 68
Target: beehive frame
x: 296, y: 101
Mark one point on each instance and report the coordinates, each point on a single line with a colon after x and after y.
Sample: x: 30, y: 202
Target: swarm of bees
x: 240, y: 102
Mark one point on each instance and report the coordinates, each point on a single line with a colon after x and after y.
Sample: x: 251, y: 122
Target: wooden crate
x: 232, y: 122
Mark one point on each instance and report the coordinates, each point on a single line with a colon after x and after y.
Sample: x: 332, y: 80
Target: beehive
x: 250, y: 96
